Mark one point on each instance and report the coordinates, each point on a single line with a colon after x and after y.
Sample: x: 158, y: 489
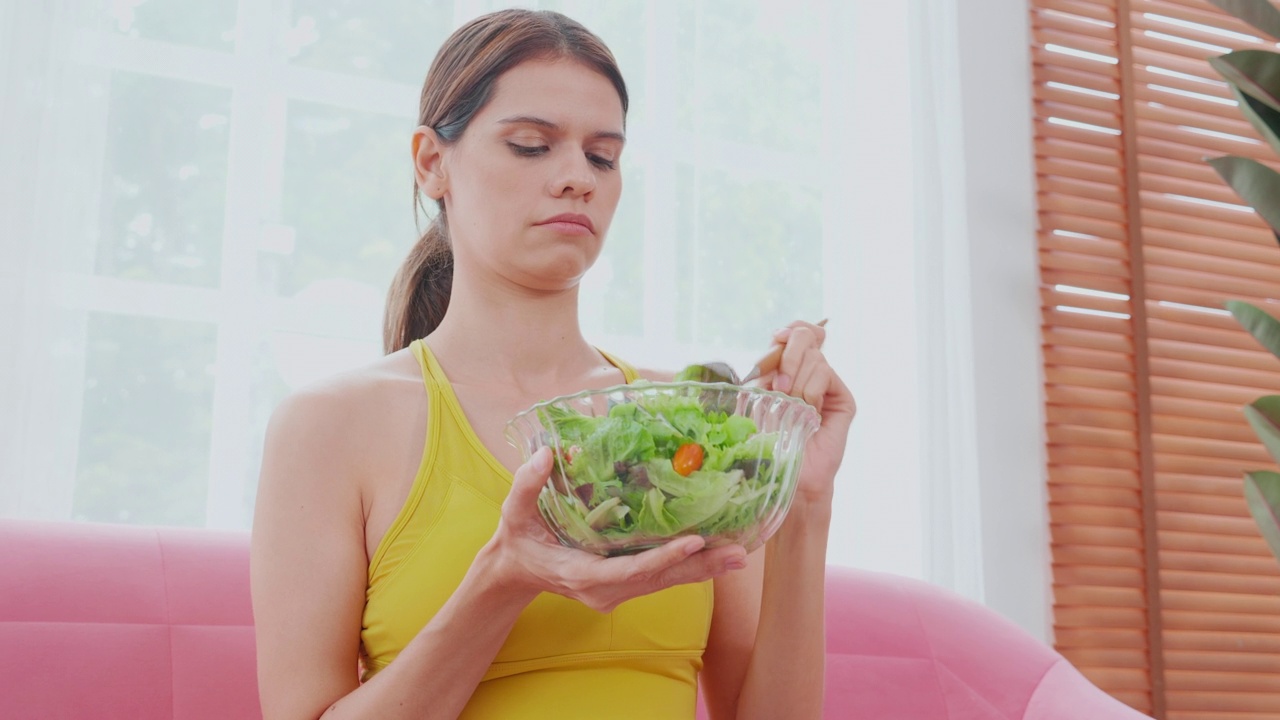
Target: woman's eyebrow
x: 543, y: 123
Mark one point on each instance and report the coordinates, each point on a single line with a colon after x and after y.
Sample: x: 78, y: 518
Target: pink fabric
x: 105, y: 621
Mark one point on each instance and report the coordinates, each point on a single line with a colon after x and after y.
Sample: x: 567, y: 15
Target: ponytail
x: 420, y: 291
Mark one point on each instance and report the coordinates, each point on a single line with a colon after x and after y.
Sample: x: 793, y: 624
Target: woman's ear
x: 428, y: 162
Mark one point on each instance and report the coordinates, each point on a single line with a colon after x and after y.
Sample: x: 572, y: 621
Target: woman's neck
x: 513, y: 336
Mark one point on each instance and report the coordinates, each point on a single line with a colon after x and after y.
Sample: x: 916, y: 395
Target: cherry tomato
x: 688, y: 458
x: 570, y: 453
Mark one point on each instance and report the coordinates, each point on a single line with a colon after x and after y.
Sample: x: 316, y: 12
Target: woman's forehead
x: 565, y: 93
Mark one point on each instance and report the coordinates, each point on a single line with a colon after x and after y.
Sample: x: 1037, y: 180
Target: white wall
x: 994, y: 68
x: 945, y: 476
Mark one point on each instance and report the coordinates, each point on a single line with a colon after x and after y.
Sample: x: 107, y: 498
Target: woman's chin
x: 563, y: 272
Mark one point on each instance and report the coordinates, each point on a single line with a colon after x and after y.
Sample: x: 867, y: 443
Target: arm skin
x: 766, y: 653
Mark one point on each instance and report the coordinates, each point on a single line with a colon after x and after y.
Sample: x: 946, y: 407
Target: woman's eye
x: 527, y: 150
x: 601, y: 162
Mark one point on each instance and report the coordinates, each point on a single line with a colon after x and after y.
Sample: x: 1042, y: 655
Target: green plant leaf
x: 1264, y: 328
x: 1255, y: 183
x: 1262, y: 493
x: 1264, y: 415
x: 1262, y: 117
x: 1257, y: 13
x: 1255, y: 72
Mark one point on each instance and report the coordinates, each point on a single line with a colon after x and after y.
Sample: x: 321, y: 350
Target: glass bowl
x: 638, y: 465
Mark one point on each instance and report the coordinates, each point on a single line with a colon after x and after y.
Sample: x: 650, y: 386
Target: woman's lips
x: 570, y: 224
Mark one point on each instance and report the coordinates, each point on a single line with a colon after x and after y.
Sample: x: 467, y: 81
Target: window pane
x: 348, y: 197
x: 757, y: 263
x: 164, y: 180
x: 144, y: 433
x: 756, y: 73
x: 622, y: 260
x: 203, y: 23
x: 387, y: 40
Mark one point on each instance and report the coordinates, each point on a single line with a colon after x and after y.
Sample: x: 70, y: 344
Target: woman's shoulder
x: 349, y: 410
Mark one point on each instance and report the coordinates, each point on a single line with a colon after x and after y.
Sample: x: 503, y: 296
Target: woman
x: 393, y: 523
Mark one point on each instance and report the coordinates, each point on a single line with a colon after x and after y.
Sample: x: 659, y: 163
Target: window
x: 223, y: 192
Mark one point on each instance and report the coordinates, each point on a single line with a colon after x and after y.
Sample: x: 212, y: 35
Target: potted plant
x: 1254, y: 77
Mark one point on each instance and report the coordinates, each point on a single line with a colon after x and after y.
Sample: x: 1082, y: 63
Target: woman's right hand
x: 530, y: 558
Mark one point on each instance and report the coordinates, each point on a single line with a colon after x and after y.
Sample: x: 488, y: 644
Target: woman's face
x: 531, y: 186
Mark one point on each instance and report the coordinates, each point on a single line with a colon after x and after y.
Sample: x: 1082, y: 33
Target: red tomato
x: 688, y: 458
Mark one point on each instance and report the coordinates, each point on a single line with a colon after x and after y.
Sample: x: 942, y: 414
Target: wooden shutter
x: 1165, y: 595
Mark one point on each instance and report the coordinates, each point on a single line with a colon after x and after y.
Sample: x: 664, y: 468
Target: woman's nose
x: 574, y: 177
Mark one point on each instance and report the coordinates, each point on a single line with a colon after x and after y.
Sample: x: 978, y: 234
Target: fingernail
x: 782, y: 383
x: 736, y: 563
x: 782, y: 334
x: 542, y: 459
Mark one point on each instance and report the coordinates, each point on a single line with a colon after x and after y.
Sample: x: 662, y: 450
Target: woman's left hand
x: 804, y: 373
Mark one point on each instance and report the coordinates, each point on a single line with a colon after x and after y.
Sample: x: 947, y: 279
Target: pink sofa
x: 105, y: 622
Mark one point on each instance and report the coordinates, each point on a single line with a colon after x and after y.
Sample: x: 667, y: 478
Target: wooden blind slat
x: 1071, y: 395
x: 1215, y: 410
x: 1189, y: 427
x: 1113, y: 659
x: 1104, y: 11
x: 1090, y: 417
x: 1093, y: 555
x: 1103, y: 637
x: 1099, y: 247
x: 1106, y: 477
x: 1071, y: 337
x: 1074, y: 495
x: 1045, y: 74
x: 1258, y: 254
x: 1082, y: 225
x: 1199, y: 484
x: 1154, y: 115
x: 1197, y: 12
x: 1208, y: 524
x: 1149, y: 79
x: 1202, y: 504
x: 1192, y: 541
x: 1229, y: 622
x: 1211, y: 562
x: 1079, y: 152
x: 1094, y: 535
x: 1201, y: 661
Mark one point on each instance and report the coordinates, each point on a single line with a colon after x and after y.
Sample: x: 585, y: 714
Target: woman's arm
x: 308, y: 572
x: 766, y: 651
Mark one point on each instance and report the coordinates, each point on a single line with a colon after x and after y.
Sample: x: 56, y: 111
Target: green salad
x: 660, y: 466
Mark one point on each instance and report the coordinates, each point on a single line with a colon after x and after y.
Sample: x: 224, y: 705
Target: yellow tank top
x: 561, y: 659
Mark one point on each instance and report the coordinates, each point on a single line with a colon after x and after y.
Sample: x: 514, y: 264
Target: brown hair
x: 458, y: 85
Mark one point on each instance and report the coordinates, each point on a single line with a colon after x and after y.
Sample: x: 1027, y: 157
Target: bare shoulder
x: 308, y: 559
x: 337, y: 404
x: 343, y: 418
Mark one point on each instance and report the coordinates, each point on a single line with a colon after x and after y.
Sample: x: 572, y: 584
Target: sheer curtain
x: 204, y: 203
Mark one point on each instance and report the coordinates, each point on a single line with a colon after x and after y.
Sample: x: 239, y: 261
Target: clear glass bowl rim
x: 647, y: 385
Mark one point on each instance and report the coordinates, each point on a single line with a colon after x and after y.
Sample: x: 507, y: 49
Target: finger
x: 702, y: 566
x: 802, y: 341
x: 782, y: 335
x: 529, y: 480
x: 651, y: 563
x: 814, y: 383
